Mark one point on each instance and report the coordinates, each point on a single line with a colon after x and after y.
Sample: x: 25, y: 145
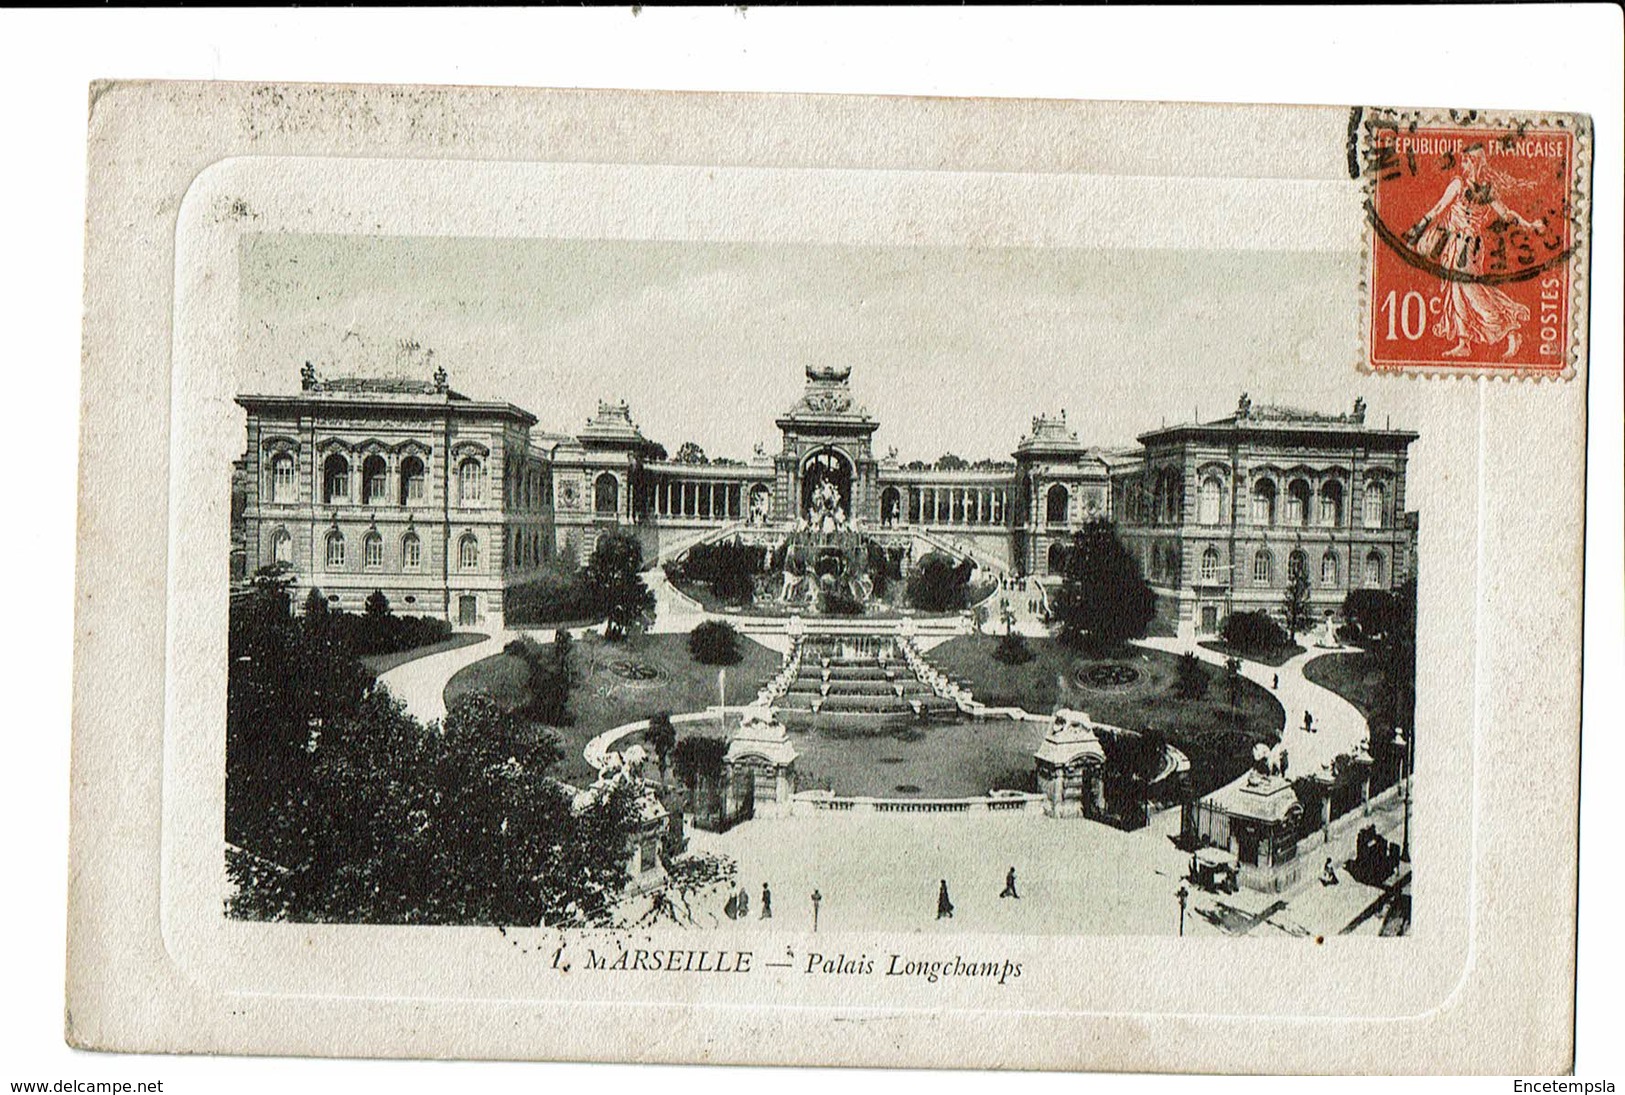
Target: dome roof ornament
x: 829, y: 374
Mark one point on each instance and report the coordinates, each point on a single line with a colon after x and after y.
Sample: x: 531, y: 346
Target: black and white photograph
x: 815, y: 545
x: 1086, y: 660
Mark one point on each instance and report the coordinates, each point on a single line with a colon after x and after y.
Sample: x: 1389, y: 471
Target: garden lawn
x: 956, y: 758
x: 1277, y: 656
x: 604, y: 698
x: 1218, y: 743
x: 379, y: 664
x: 1355, y: 677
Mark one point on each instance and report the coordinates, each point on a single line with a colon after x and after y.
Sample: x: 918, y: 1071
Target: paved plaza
x: 1074, y: 877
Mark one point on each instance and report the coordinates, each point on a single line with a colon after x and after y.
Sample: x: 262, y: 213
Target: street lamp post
x: 1183, y: 894
x: 816, y: 898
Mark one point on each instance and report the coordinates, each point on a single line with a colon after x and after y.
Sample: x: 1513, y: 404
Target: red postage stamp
x: 1475, y: 243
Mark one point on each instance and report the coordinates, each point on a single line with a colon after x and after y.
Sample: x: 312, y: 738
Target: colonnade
x: 703, y: 499
x: 957, y: 505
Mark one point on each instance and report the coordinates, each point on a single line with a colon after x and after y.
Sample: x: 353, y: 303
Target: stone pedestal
x: 761, y: 765
x: 1069, y: 764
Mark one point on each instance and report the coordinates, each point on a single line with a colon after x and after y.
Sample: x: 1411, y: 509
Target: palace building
x: 444, y: 502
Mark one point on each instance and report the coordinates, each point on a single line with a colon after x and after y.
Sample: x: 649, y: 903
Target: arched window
x: 1297, y: 565
x: 468, y: 552
x: 1373, y: 570
x: 606, y: 495
x: 1376, y: 505
x: 1173, y: 498
x: 412, y: 480
x: 1331, y: 504
x: 1263, y: 567
x: 1297, y: 502
x: 335, y: 480
x: 374, y: 480
x: 1328, y: 569
x: 1264, y: 502
x: 1211, y: 501
x: 374, y: 548
x: 1210, y: 564
x: 411, y: 551
x: 1055, y: 505
x: 1057, y: 558
x: 284, y: 481
x: 335, y: 550
x: 470, y: 482
x: 891, y: 505
x: 281, y: 546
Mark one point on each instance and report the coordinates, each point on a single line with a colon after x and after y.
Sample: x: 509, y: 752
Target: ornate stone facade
x: 1220, y: 514
x: 411, y: 488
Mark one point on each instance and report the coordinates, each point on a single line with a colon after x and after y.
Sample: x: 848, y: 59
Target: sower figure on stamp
x: 1010, y: 885
x: 945, y: 907
x: 1453, y: 234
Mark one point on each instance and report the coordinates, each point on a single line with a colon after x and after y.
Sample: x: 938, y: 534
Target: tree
x: 662, y: 737
x: 689, y: 452
x: 1394, y: 654
x: 1192, y: 680
x: 1103, y: 600
x: 617, y: 589
x: 1232, y: 674
x: 377, y: 605
x: 317, y: 613
x: 916, y: 465
x: 715, y: 642
x: 698, y: 760
x: 1295, y: 604
x: 1371, y: 613
x: 950, y: 462
x: 287, y: 684
x: 550, y: 681
x: 938, y: 583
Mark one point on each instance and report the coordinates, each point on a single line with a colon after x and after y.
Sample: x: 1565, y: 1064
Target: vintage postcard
x: 800, y: 580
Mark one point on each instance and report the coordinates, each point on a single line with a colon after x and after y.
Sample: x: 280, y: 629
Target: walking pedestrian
x: 1010, y: 885
x: 945, y: 908
x: 767, y: 902
x: 1277, y: 684
x: 1308, y: 723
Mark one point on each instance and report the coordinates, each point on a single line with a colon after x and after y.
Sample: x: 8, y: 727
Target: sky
x: 952, y: 349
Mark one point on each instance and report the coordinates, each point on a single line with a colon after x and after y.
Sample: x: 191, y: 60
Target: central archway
x: 826, y: 466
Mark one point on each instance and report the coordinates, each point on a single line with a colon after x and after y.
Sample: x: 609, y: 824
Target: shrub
x: 555, y: 596
x: 1371, y: 613
x: 1193, y: 681
x: 729, y: 568
x: 938, y: 584
x: 836, y: 601
x: 1013, y: 649
x: 1254, y: 631
x: 715, y: 642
